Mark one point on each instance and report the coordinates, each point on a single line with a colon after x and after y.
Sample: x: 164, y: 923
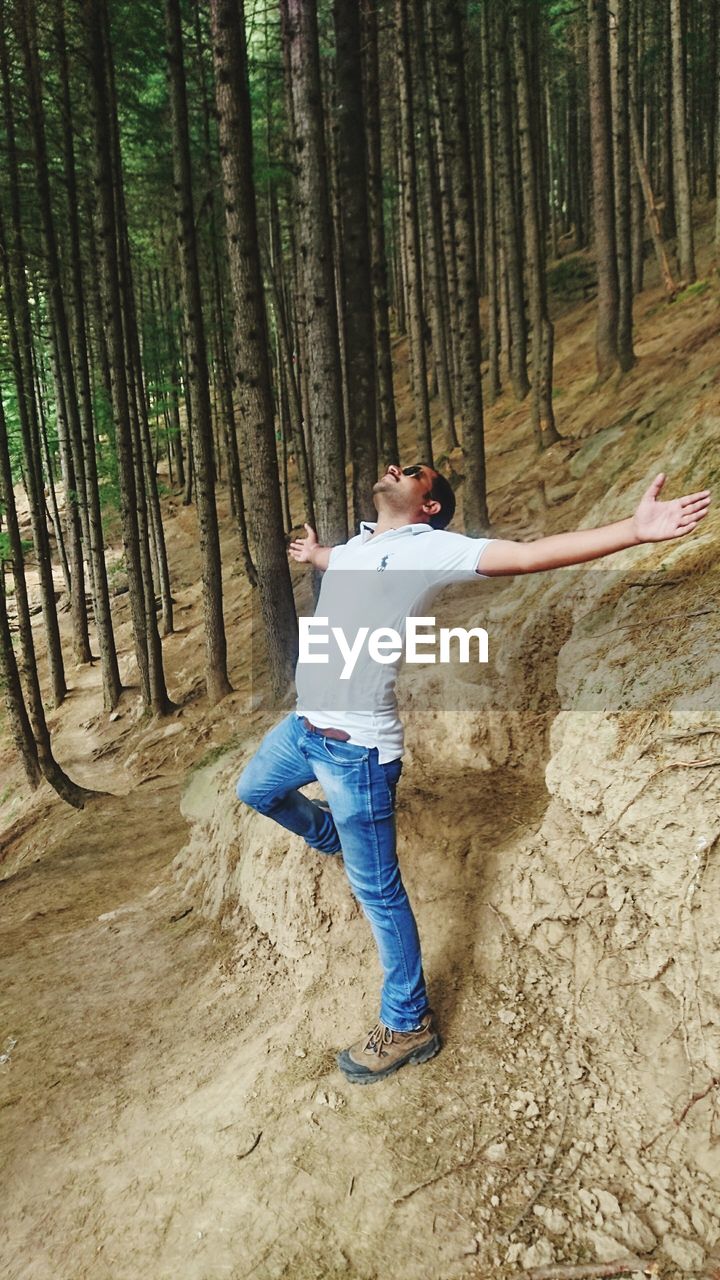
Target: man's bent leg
x: 270, y: 780
x: 361, y: 792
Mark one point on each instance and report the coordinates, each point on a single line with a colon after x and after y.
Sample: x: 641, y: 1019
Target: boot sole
x: 423, y: 1054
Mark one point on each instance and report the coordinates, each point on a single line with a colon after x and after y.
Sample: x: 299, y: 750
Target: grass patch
x: 215, y: 753
x: 693, y: 290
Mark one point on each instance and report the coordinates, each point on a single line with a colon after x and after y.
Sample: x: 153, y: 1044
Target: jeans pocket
x: 345, y: 753
x: 391, y: 772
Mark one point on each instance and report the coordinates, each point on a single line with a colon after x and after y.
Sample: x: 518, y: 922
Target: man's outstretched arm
x: 652, y: 521
x: 308, y: 551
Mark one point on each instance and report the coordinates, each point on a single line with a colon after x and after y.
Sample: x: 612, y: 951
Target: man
x: 348, y: 736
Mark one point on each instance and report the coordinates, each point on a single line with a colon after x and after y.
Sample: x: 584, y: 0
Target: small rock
x: 685, y: 1253
x: 553, y: 1221
x: 496, y: 1151
x: 700, y: 1221
x: 300, y: 1053
x: 634, y: 1233
x: 539, y: 1254
x: 607, y: 1204
x: 331, y: 1099
x: 605, y: 1247
x: 587, y: 1200
x: 681, y: 1222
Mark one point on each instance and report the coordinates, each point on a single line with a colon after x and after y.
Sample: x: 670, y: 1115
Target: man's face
x: 405, y: 491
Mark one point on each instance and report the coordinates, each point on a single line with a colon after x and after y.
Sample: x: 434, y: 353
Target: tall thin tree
x: 250, y: 346
x: 216, y: 676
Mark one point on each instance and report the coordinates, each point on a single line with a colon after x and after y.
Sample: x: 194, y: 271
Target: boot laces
x: 378, y: 1038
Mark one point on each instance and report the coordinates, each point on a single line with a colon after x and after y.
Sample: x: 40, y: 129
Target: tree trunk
x: 111, y: 683
x: 76, y: 497
x: 487, y: 111
x: 355, y: 257
x: 651, y: 210
x: 314, y: 234
x: 216, y: 676
x: 20, y: 332
x: 437, y: 294
x: 378, y: 266
x: 410, y: 216
x: 543, y: 418
x: 606, y: 343
x: 19, y: 722
x: 474, y: 490
x: 683, y: 197
x: 112, y: 328
x: 251, y: 355
x: 51, y: 771
x: 508, y: 207
x: 623, y: 221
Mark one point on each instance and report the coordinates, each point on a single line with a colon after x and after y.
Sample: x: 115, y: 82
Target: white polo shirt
x: 378, y: 581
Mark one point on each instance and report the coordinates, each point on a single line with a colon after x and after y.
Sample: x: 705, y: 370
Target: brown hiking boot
x: 383, y: 1051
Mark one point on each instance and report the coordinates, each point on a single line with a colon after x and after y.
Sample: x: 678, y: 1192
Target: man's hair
x: 441, y: 492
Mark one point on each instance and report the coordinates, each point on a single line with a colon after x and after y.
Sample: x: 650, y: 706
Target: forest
x: 253, y: 253
x: 217, y: 219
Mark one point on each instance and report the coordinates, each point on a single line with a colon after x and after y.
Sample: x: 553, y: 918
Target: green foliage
x: 6, y: 549
x: 14, y: 433
x: 693, y: 290
x: 216, y: 753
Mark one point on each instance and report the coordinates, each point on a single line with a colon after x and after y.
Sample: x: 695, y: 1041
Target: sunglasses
x: 412, y: 471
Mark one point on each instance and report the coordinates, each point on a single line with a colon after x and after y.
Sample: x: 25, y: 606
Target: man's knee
x: 251, y: 791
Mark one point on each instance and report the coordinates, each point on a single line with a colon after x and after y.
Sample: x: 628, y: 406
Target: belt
x: 340, y: 734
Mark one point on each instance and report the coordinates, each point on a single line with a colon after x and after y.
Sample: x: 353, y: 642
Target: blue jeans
x: 361, y: 795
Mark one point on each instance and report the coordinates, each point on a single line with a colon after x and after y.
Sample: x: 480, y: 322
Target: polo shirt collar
x: 367, y: 528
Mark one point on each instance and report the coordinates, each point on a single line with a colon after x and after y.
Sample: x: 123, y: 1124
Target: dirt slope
x: 170, y: 1106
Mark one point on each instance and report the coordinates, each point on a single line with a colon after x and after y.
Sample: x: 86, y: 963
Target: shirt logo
x: 383, y: 564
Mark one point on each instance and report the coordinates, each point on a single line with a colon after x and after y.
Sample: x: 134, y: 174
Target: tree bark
x: 606, y: 342
x: 474, y: 491
x: 410, y: 217
x: 681, y: 171
x: 650, y: 207
x: 112, y: 328
x: 355, y: 258
x: 251, y: 355
x: 17, y: 309
x: 623, y: 221
x: 508, y: 207
x: 19, y: 721
x: 487, y: 112
x: 378, y: 265
x: 111, y: 683
x: 216, y: 676
x: 67, y: 789
x: 76, y: 497
x: 314, y: 236
x: 543, y: 417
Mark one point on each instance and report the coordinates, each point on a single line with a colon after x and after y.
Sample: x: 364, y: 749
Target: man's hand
x: 301, y: 549
x: 655, y: 521
x: 308, y: 550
